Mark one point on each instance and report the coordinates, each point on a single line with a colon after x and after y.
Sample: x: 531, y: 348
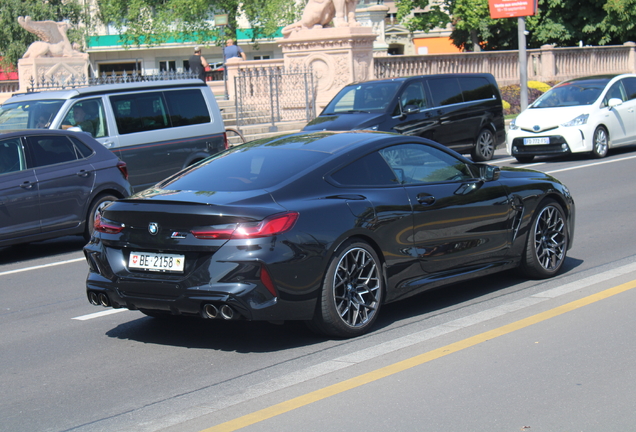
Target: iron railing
x: 274, y: 94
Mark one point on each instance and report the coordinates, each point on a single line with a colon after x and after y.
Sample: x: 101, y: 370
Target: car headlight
x: 513, y: 124
x: 578, y: 121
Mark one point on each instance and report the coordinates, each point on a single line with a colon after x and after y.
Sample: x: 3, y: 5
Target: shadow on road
x: 48, y: 248
x: 258, y: 336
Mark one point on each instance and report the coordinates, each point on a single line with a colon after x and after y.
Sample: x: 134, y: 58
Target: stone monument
x: 338, y: 55
x: 52, y: 59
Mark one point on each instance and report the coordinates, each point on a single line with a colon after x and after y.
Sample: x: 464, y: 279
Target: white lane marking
x: 592, y: 164
x: 99, y: 314
x: 41, y: 266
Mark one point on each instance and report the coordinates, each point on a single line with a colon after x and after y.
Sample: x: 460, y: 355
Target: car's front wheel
x: 547, y: 242
x: 484, y: 148
x: 600, y: 143
x: 352, y: 292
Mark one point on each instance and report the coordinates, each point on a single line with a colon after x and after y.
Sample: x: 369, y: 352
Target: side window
x: 11, y: 156
x: 187, y: 107
x: 476, y: 88
x: 83, y: 151
x: 616, y: 91
x: 413, y: 94
x: 52, y: 149
x: 630, y: 87
x: 370, y: 170
x: 445, y: 91
x: 418, y: 163
x: 140, y: 112
x: 88, y: 115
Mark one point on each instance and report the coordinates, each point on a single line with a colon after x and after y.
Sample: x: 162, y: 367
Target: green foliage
x: 14, y: 40
x: 558, y: 22
x: 154, y: 22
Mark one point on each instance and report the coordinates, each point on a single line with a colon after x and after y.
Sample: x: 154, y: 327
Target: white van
x: 157, y: 127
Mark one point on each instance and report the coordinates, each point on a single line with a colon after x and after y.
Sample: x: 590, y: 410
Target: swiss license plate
x: 536, y: 141
x: 156, y: 261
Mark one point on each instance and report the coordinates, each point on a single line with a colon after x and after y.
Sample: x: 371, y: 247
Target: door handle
x: 426, y: 199
x: 107, y: 144
x: 83, y: 173
x: 26, y: 185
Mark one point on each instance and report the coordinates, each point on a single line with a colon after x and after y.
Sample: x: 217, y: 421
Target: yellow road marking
x: 403, y: 365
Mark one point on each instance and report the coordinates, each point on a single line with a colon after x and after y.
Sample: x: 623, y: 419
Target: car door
x: 620, y: 118
x: 65, y: 178
x: 413, y: 114
x: 454, y: 130
x: 19, y: 202
x: 630, y: 89
x: 459, y: 221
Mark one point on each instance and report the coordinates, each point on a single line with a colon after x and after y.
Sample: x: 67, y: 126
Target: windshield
x: 366, y: 97
x: 572, y: 93
x: 29, y: 115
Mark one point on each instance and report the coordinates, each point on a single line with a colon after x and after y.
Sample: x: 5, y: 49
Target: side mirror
x: 489, y: 172
x: 614, y: 102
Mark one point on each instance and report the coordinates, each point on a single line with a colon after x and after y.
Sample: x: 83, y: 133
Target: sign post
x: 519, y: 9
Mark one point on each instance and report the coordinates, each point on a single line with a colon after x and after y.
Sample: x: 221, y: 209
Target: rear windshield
x: 365, y: 97
x: 572, y: 93
x: 29, y: 115
x: 245, y: 168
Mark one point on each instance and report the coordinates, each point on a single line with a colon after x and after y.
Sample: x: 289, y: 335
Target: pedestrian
x: 232, y: 50
x: 198, y: 63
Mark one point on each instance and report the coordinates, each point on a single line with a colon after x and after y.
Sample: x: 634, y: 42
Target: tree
x: 153, y: 22
x: 14, y: 40
x: 559, y: 22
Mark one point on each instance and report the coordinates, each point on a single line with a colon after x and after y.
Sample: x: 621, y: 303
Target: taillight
x: 121, y: 165
x: 270, y: 226
x: 226, y: 143
x: 102, y: 226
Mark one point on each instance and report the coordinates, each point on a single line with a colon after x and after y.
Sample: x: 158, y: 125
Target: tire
x: 352, y: 292
x: 547, y: 242
x: 484, y: 148
x: 98, y: 203
x: 524, y: 159
x: 600, y: 143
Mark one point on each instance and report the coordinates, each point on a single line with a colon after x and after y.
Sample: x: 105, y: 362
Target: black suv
x: 462, y: 111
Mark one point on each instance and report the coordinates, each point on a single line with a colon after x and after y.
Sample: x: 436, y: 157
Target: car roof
x: 86, y: 137
x: 414, y: 77
x: 602, y: 77
x: 104, y: 89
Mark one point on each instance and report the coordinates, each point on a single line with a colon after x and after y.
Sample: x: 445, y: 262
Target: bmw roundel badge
x: 153, y: 228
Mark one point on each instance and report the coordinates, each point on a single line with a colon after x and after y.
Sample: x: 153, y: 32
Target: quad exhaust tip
x: 93, y: 298
x: 104, y: 300
x: 211, y: 311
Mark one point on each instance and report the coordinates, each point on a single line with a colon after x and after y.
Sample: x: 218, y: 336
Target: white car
x: 589, y: 114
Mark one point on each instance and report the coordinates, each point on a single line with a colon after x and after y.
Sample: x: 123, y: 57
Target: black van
x: 462, y: 111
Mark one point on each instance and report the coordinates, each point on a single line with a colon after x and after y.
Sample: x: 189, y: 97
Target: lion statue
x: 54, y: 42
x: 319, y: 13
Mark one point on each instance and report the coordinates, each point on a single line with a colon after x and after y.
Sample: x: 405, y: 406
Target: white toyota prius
x: 590, y: 114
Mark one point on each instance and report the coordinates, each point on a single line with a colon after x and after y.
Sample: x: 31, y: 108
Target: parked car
x: 462, y: 111
x: 323, y: 227
x: 583, y: 115
x: 52, y: 183
x: 156, y: 127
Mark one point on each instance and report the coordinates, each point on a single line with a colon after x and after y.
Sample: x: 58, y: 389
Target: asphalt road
x: 497, y: 354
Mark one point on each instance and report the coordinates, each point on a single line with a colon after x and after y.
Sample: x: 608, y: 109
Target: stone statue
x: 320, y: 13
x: 54, y: 41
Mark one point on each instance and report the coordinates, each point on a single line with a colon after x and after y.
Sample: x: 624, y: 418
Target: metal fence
x: 274, y: 94
x: 53, y: 83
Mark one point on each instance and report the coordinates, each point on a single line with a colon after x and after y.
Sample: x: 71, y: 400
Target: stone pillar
x: 232, y: 69
x: 548, y: 63
x: 338, y: 56
x: 631, y: 58
x: 374, y: 17
x: 54, y: 70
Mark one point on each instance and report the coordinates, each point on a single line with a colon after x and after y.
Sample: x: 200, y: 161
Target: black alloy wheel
x: 484, y: 146
x: 352, y: 292
x: 547, y: 242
